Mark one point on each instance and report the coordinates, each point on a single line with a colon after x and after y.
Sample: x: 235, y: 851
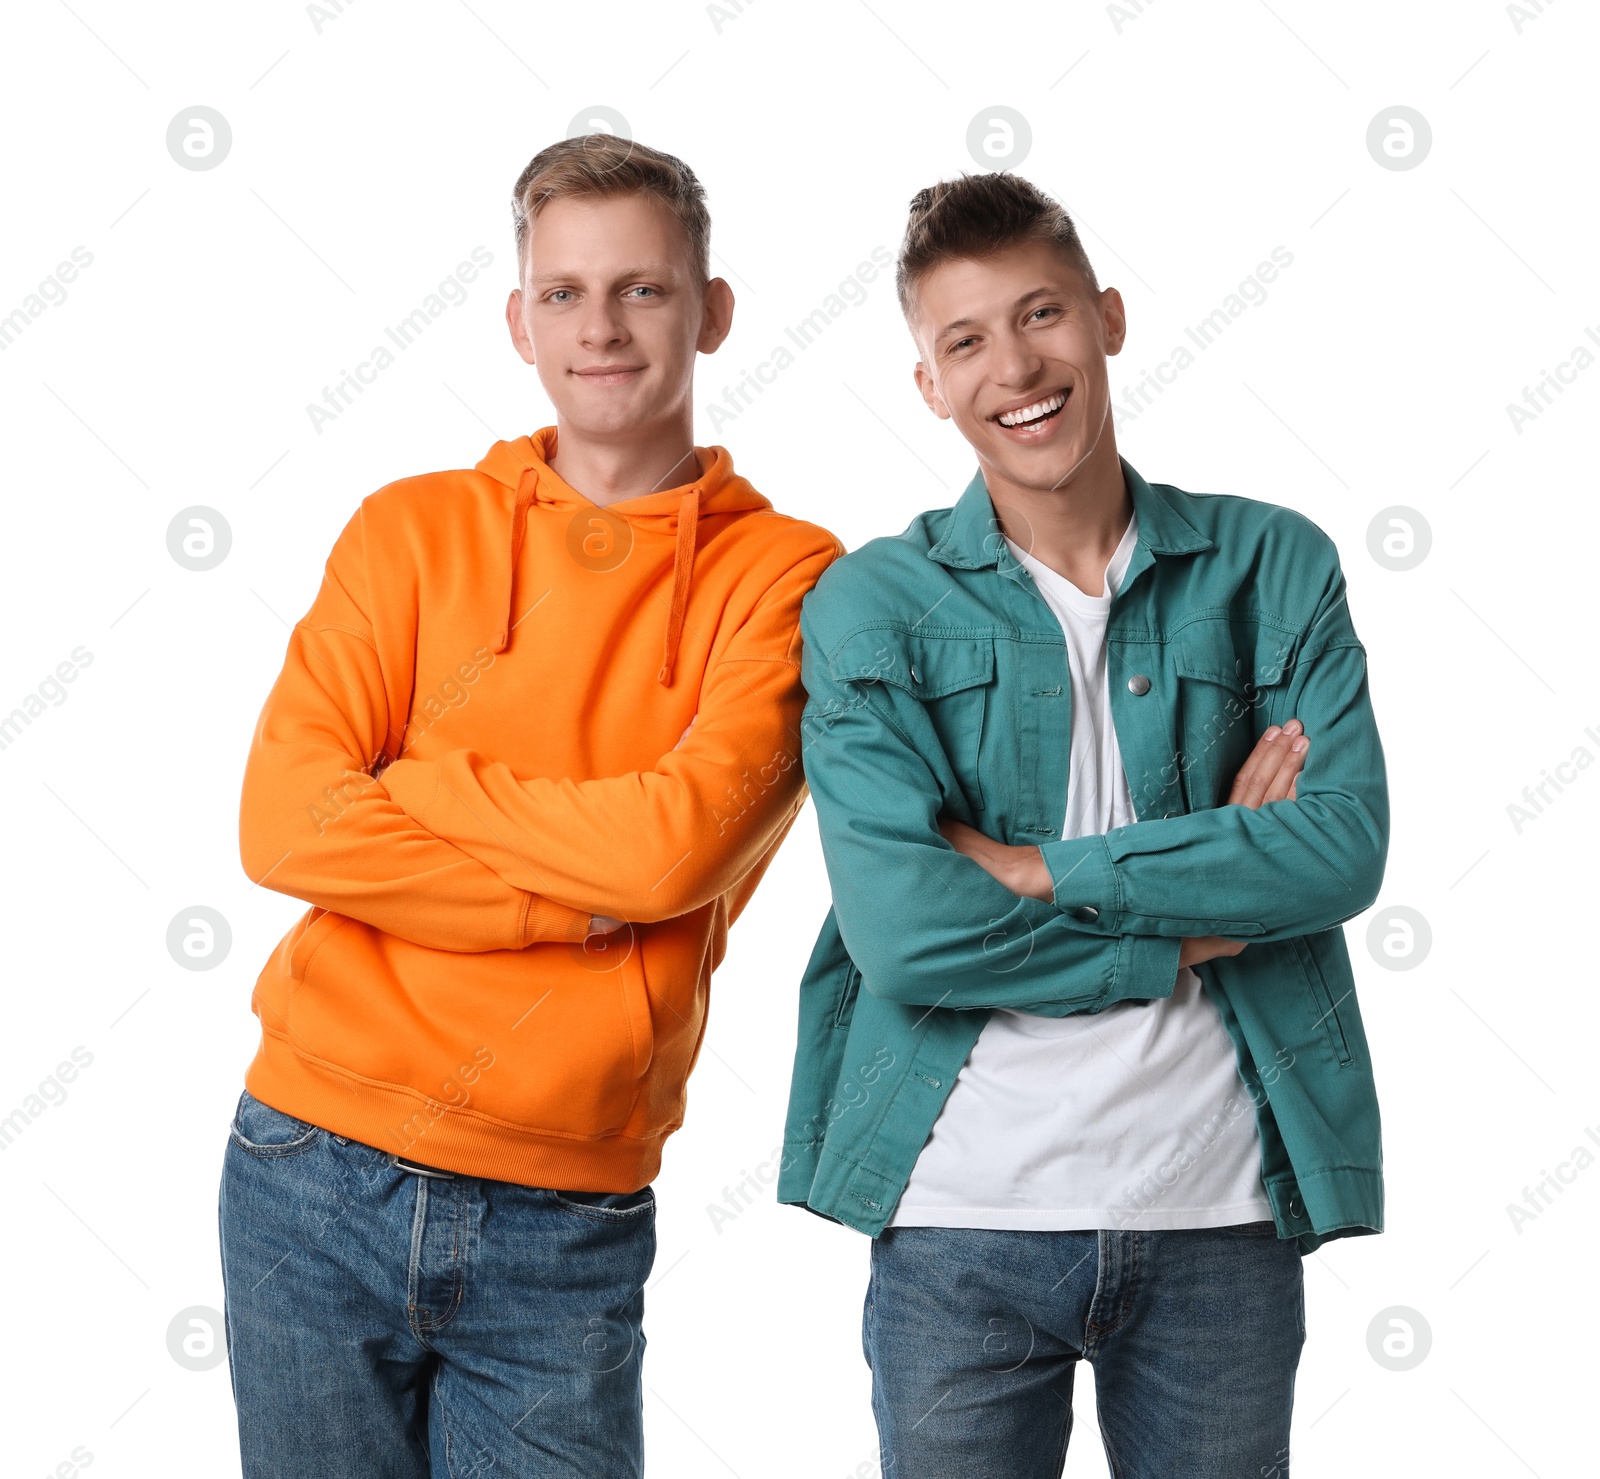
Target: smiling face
x: 612, y: 313
x: 1014, y: 350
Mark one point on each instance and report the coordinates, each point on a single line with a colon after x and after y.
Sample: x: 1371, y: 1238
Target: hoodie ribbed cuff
x: 545, y: 920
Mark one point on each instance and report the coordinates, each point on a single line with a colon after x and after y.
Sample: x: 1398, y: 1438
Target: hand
x: 1206, y: 947
x: 1021, y: 869
x: 1270, y: 772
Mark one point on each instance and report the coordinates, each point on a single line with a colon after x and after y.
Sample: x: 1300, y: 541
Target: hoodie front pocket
x: 315, y: 929
x: 539, y: 1039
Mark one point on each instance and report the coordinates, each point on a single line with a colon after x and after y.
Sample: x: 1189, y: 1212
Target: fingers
x: 1249, y: 786
x: 1294, y: 746
x: 1270, y: 771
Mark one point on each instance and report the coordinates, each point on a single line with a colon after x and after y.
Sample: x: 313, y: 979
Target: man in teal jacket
x: 1097, y: 782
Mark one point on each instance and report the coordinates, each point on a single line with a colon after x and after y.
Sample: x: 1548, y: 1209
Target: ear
x: 717, y: 318
x: 519, y: 328
x: 1114, y: 317
x: 930, y: 392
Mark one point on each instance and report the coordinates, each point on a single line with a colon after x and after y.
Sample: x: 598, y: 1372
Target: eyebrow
x: 1022, y: 302
x: 643, y: 270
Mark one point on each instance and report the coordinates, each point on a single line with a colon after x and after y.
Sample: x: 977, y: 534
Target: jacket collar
x: 974, y: 540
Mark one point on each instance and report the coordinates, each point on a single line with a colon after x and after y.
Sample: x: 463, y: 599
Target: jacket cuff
x: 1147, y: 967
x: 1084, y: 882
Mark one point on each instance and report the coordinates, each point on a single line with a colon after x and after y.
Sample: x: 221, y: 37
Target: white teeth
x: 1035, y: 411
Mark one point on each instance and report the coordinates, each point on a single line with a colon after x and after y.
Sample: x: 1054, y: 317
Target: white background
x: 369, y: 157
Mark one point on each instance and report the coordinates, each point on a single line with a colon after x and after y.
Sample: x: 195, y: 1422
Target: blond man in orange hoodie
x: 530, y: 753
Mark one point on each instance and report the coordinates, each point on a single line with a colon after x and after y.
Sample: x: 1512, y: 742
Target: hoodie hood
x: 523, y: 466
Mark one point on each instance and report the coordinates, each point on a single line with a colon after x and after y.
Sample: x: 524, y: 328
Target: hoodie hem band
x: 408, y: 1124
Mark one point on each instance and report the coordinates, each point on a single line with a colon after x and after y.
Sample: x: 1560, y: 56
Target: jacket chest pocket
x: 1230, y: 679
x: 947, y: 681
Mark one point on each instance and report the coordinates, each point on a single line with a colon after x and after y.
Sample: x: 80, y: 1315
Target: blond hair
x: 602, y: 166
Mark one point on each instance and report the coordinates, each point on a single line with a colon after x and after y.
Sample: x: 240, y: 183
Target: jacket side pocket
x: 850, y: 989
x: 1327, y: 1007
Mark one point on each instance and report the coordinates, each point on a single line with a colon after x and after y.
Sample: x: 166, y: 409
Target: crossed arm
x: 315, y: 823
x: 1268, y: 774
x: 935, y: 914
x: 458, y: 853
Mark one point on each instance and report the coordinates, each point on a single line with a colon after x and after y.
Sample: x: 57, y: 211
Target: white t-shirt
x: 1133, y: 1117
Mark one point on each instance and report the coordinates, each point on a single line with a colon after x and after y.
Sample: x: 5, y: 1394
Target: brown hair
x: 599, y: 166
x: 975, y: 216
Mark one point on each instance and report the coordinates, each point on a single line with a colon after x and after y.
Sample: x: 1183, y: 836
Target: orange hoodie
x: 509, y: 708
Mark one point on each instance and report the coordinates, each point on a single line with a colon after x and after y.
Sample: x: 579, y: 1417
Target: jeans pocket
x: 260, y: 1130
x: 608, y: 1206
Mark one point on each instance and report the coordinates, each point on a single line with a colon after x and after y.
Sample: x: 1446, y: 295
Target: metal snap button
x: 1138, y: 685
x: 1085, y: 913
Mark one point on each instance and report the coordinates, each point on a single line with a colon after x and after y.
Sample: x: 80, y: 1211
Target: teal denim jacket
x: 936, y: 684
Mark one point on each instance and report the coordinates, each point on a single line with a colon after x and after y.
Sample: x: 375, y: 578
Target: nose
x: 1015, y: 360
x: 602, y: 325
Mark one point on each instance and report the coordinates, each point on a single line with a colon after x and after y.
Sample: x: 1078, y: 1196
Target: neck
x: 1073, y: 528
x: 609, y: 469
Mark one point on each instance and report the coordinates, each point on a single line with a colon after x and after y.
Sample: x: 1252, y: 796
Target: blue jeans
x: 1194, y: 1335
x: 396, y: 1325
